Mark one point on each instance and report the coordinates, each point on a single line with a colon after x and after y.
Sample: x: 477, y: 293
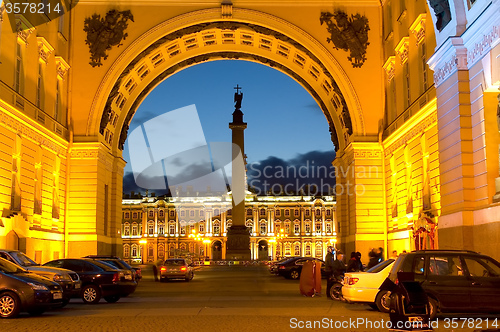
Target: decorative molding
x: 452, y: 56
x: 24, y: 29
x: 62, y: 67
x: 389, y: 67
x: 44, y: 49
x: 402, y: 49
x: 227, y: 9
x: 2, y: 10
x: 418, y: 28
x: 26, y: 131
x: 367, y: 154
x: 484, y: 45
x: 412, y: 133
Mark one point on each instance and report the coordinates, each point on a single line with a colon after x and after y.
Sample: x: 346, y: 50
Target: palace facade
x: 190, y: 226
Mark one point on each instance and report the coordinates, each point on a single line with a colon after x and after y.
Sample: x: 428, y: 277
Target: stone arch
x: 201, y: 36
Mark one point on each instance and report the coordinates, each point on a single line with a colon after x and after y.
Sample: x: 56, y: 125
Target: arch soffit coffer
x: 135, y: 77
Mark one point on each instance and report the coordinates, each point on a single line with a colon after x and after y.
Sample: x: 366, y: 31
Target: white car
x: 363, y: 286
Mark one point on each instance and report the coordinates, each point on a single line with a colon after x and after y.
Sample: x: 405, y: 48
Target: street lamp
x: 206, y: 242
x: 143, y: 242
x: 281, y: 235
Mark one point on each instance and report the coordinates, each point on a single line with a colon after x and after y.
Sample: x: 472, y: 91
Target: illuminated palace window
x: 287, y: 228
x: 318, y: 212
x: 201, y: 227
x: 287, y: 213
x: 249, y: 223
x: 296, y: 227
x: 134, y: 215
x: 191, y: 213
x: 191, y: 227
x: 263, y: 228
x: 172, y: 213
x: 126, y: 251
x: 160, y: 213
x: 127, y: 215
x: 328, y: 227
x: 328, y: 212
x: 296, y: 249
x: 308, y: 249
x: 151, y: 228
x: 296, y: 212
x: 262, y: 212
x: 134, y: 229
x: 308, y: 227
x: 151, y: 214
x: 278, y: 250
x: 287, y: 249
x: 319, y: 249
x: 134, y: 250
x: 216, y: 212
x: 126, y: 229
x: 308, y: 212
x: 171, y: 228
x: 161, y: 228
x: 183, y: 229
x: 183, y: 213
x: 161, y: 250
x: 216, y: 227
x: 318, y: 227
x: 278, y: 212
x: 249, y: 212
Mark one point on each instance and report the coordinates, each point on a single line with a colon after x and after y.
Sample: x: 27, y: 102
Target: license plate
x: 57, y: 296
x: 128, y: 277
x: 77, y: 286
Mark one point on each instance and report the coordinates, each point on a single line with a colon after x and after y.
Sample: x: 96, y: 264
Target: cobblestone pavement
x: 218, y: 299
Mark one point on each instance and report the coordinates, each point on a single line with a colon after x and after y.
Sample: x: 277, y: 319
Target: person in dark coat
x: 339, y: 267
x: 329, y: 258
x: 373, y: 259
x: 353, y: 265
x: 358, y: 259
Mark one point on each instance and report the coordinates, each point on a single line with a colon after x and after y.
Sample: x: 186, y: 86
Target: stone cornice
x: 418, y: 28
x: 62, y: 67
x: 389, y: 67
x: 449, y: 58
x: 44, y: 49
x: 402, y: 49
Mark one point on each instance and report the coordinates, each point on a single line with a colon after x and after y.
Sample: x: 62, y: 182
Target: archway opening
x: 216, y: 250
x: 263, y: 254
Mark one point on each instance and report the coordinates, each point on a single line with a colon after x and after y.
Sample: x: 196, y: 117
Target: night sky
x: 287, y: 141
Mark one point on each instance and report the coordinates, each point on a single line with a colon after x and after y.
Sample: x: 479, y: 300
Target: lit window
x: 278, y: 212
x: 287, y: 228
x: 216, y: 227
x: 287, y: 213
x: 318, y: 212
x: 318, y: 227
x: 151, y: 214
x: 202, y: 227
x: 134, y: 215
x: 308, y: 227
x: 319, y: 250
x: 171, y: 229
x: 308, y: 250
x: 151, y: 228
x: 126, y: 229
x: 296, y: 212
x: 134, y: 229
x: 249, y: 212
x: 172, y: 213
x: 134, y: 250
x: 183, y: 230
x: 296, y: 227
x: 262, y: 212
x: 126, y: 251
x: 263, y: 228
x: 297, y: 250
x: 160, y: 213
x: 161, y: 228
x: 127, y: 215
x: 328, y: 227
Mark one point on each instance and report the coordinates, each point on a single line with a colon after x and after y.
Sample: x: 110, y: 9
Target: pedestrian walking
x: 329, y: 258
x: 156, y: 266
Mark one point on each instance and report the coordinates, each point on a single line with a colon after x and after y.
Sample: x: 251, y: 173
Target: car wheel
x: 9, y: 305
x: 91, y: 294
x: 382, y: 301
x: 111, y: 299
x: 336, y: 291
x: 433, y: 308
x: 294, y: 274
x: 36, y: 312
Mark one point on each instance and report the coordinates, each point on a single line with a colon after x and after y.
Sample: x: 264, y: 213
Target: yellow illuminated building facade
x: 412, y: 106
x: 190, y: 226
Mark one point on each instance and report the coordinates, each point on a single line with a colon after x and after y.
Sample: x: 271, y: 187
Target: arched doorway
x: 263, y: 251
x: 216, y: 251
x: 12, y: 241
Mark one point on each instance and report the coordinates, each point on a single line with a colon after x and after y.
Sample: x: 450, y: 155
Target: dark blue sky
x: 285, y: 124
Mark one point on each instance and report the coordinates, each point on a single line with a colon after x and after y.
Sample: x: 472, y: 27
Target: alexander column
x: 238, y: 235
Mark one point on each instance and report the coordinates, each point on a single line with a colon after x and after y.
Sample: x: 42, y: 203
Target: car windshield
x: 23, y: 259
x: 8, y: 267
x: 175, y: 262
x: 380, y: 266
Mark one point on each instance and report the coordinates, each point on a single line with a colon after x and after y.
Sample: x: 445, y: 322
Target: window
x: 318, y: 227
x: 19, y: 63
x: 39, y: 87
x: 183, y: 213
x: 318, y: 212
x: 328, y: 227
x: 445, y: 266
x: 160, y: 214
x: 126, y: 251
x: 183, y: 230
x: 201, y: 227
x: 216, y: 212
x: 191, y: 228
x: 249, y: 212
x: 287, y: 213
x: 230, y: 212
x: 308, y: 213
x: 262, y: 212
x: 328, y: 212
x: 480, y: 267
x: 296, y: 250
x: 423, y: 61
x: 308, y: 249
x: 134, y: 250
x: 134, y: 229
x: 296, y: 212
x: 263, y: 228
x: 216, y: 227
x: 151, y: 228
x: 406, y: 71
x: 419, y: 265
x: 151, y: 214
x: 278, y: 212
x: 171, y: 229
x: 308, y: 227
x: 319, y: 249
x: 296, y: 227
x: 134, y: 215
x: 202, y: 213
x: 126, y: 229
x: 287, y: 249
x: 191, y: 213
x: 161, y: 228
x: 127, y: 215
x: 172, y: 213
x: 287, y: 228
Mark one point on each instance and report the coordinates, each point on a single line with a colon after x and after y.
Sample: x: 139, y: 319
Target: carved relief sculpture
x: 348, y: 34
x: 442, y: 13
x: 103, y: 33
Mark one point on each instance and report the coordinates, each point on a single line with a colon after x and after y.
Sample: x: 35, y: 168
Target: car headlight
x: 58, y: 278
x: 37, y: 286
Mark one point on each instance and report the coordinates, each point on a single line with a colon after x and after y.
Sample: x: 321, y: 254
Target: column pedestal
x: 238, y: 243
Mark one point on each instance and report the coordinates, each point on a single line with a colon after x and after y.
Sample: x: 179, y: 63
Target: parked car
x: 364, y: 286
x: 68, y: 280
x: 292, y: 267
x: 273, y: 266
x: 130, y: 272
x: 21, y: 290
x: 176, y: 268
x: 98, y: 279
x: 454, y: 280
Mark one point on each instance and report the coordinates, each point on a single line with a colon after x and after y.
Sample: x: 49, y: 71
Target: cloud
x: 302, y: 172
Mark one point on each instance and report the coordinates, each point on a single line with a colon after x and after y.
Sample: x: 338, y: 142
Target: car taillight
x: 163, y: 268
x: 138, y: 271
x: 183, y: 268
x: 116, y: 277
x: 282, y: 267
x: 352, y: 281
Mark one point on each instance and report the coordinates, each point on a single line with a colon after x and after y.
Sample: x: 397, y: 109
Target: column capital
x: 449, y: 58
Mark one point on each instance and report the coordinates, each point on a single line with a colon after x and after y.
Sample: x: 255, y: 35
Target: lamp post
x: 206, y: 242
x: 281, y: 235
